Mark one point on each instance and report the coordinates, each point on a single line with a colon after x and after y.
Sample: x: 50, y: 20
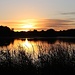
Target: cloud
x: 57, y: 24
x: 73, y: 19
x: 68, y: 13
x: 54, y: 22
x: 44, y: 24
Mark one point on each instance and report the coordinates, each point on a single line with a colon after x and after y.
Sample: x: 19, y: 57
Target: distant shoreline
x: 6, y: 32
x: 37, y: 37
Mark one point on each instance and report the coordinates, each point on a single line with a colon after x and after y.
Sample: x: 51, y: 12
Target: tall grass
x: 57, y: 58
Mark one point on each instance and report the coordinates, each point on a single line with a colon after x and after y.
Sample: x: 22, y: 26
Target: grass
x: 58, y: 59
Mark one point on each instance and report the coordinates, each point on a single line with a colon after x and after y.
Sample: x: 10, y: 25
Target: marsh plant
x: 57, y: 56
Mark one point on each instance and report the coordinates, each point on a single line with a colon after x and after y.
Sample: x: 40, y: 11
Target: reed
x: 57, y: 58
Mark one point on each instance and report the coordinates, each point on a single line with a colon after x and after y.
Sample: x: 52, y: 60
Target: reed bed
x: 57, y: 59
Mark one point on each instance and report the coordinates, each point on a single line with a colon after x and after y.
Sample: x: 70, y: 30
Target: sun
x: 28, y: 26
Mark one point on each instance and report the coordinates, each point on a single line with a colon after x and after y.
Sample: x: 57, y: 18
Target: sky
x: 37, y: 14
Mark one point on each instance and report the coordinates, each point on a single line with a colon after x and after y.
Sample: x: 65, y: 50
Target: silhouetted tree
x: 5, y: 31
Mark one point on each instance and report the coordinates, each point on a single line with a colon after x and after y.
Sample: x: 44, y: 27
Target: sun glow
x: 29, y: 24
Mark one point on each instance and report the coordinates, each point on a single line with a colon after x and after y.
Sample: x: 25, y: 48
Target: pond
x: 35, y: 48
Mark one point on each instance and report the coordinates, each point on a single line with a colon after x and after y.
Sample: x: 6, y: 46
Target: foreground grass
x: 59, y: 59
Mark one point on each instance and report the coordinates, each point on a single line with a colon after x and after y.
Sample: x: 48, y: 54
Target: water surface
x: 34, y: 48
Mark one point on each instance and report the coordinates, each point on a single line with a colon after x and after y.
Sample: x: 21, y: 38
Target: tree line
x: 7, y: 32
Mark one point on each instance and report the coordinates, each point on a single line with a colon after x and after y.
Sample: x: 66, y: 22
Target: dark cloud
x: 68, y: 13
x: 71, y: 19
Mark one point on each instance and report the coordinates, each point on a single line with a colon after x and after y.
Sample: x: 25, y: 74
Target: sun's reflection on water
x: 27, y: 45
x: 31, y: 48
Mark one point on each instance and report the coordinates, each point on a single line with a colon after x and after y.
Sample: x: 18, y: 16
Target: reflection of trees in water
x: 6, y: 41
x: 47, y: 40
x: 52, y: 40
x: 68, y: 40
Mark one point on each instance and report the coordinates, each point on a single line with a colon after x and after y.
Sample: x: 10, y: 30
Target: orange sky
x: 38, y: 24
